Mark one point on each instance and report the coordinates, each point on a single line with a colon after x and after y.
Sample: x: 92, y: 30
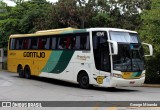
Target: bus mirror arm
x: 114, y: 46
x: 150, y: 49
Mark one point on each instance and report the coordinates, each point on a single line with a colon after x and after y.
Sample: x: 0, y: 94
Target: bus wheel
x: 27, y: 72
x: 20, y: 71
x: 83, y: 80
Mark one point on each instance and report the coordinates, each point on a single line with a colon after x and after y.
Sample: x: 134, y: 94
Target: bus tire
x: 27, y: 72
x: 83, y: 80
x: 20, y: 71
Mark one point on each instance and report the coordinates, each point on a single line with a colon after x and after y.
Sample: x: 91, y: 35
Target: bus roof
x: 56, y: 30
x: 67, y: 30
x: 46, y: 32
x: 113, y: 29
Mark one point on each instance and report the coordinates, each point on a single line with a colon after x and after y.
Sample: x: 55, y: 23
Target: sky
x: 10, y: 3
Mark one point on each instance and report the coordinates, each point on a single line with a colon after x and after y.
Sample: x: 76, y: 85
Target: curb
x: 151, y: 85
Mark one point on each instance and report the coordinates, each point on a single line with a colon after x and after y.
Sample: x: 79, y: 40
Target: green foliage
x: 101, y: 20
x: 33, y: 15
x: 26, y: 17
x: 150, y: 33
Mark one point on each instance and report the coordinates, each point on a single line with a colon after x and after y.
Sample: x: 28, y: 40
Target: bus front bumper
x: 120, y: 82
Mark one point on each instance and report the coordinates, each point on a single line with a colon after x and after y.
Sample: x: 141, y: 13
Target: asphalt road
x: 13, y: 88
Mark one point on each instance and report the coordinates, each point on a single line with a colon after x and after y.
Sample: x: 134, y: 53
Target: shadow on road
x: 68, y: 84
x: 113, y: 89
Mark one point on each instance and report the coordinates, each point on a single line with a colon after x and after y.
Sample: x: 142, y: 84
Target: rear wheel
x: 83, y: 80
x: 20, y: 71
x: 27, y: 72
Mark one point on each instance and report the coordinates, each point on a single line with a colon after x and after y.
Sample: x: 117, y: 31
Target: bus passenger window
x: 77, y: 45
x: 53, y: 42
x: 46, y: 46
x: 42, y: 43
x: 68, y: 43
x: 72, y: 43
x: 12, y: 44
x: 87, y: 43
x: 34, y: 43
x: 25, y: 43
x: 19, y: 44
x: 82, y: 41
x: 62, y: 43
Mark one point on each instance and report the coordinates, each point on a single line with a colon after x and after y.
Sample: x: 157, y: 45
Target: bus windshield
x: 130, y: 52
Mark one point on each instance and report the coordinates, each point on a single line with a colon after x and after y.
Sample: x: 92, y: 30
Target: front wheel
x: 83, y: 80
x: 27, y: 72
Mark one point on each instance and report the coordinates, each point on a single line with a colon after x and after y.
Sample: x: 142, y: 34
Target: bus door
x: 101, y: 51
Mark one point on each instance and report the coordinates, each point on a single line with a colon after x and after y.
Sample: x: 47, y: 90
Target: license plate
x: 127, y: 75
x: 131, y: 82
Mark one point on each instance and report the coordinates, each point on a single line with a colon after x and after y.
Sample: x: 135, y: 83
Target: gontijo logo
x: 34, y: 54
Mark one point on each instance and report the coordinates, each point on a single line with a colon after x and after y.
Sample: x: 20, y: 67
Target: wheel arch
x: 80, y: 72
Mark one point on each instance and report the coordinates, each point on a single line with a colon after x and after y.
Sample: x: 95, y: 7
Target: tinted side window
x: 12, y: 44
x: 53, y: 43
x: 66, y: 42
x: 43, y: 43
x: 26, y: 43
x: 34, y: 43
x: 19, y: 44
x: 62, y: 42
x: 78, y: 41
x: 82, y: 41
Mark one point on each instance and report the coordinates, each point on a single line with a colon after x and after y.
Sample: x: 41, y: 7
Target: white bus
x: 106, y: 57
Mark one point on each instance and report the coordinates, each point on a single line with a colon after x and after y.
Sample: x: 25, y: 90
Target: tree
x: 126, y: 13
x: 3, y: 16
x: 150, y: 33
x: 26, y: 17
x: 29, y: 16
x: 18, y: 2
x: 75, y: 13
x: 100, y: 20
x: 34, y: 15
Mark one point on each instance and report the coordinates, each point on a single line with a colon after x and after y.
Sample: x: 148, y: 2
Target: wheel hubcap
x: 85, y: 80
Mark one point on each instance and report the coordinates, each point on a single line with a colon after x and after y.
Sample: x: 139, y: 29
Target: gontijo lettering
x: 34, y: 54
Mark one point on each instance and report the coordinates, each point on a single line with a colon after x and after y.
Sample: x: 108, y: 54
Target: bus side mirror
x: 114, y: 47
x: 150, y: 49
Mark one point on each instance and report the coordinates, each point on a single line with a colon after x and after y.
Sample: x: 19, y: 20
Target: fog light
x: 117, y: 75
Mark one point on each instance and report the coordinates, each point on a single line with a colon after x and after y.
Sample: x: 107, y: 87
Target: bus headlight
x: 143, y: 75
x: 117, y: 75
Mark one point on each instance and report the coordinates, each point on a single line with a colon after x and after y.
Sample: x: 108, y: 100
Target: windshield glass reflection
x: 130, y: 52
